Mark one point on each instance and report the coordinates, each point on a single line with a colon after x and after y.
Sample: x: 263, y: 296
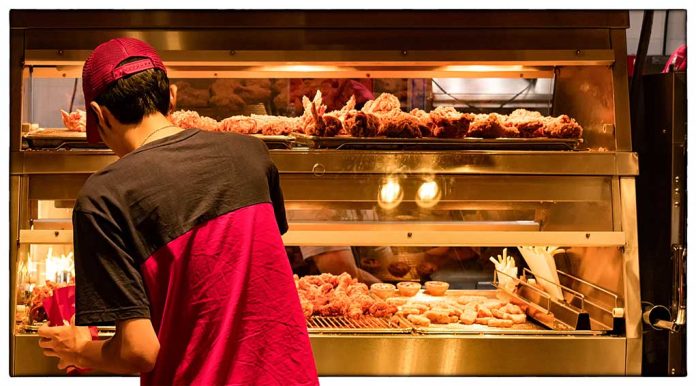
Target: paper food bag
x: 60, y: 307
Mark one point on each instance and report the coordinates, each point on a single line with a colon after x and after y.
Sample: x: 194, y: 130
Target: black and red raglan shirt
x: 186, y: 230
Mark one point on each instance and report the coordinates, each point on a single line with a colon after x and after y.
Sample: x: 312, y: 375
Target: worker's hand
x: 64, y: 342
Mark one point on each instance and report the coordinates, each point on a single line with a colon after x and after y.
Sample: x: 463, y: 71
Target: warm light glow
x: 481, y: 68
x: 428, y: 194
x: 300, y: 68
x: 60, y: 269
x: 390, y: 194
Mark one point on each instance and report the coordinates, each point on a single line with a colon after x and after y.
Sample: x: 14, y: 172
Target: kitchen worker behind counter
x: 178, y: 243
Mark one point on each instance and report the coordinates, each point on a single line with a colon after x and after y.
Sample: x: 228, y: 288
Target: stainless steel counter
x: 344, y: 355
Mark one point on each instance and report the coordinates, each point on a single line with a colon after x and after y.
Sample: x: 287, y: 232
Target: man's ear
x: 101, y: 113
x: 172, y: 98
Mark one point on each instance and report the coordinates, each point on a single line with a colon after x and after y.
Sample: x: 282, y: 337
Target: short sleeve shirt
x: 186, y: 231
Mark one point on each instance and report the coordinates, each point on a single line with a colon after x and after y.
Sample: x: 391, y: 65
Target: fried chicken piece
x: 239, y: 124
x: 311, y: 122
x: 75, y: 120
x: 562, y: 126
x: 484, y: 312
x: 489, y: 126
x: 330, y: 279
x: 307, y: 308
x: 517, y: 318
x: 484, y: 321
x: 364, y: 302
x: 332, y: 126
x: 438, y: 316
x: 419, y: 320
x: 187, y: 119
x: 512, y: 309
x: 361, y: 124
x: 468, y: 317
x: 499, y: 314
x: 357, y: 289
x: 425, y: 124
x: 382, y: 309
x: 326, y: 288
x: 354, y: 312
x: 449, y: 123
x: 529, y: 124
x: 495, y: 322
x: 398, y: 124
x: 274, y: 125
x: 493, y: 304
x: 334, y: 307
x: 384, y: 103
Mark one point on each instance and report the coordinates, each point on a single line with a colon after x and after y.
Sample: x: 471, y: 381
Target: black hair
x: 135, y: 96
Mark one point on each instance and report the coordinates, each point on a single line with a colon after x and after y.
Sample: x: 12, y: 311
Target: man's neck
x: 152, y: 127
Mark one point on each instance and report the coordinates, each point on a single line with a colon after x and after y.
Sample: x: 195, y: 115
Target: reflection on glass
x: 390, y: 194
x: 428, y: 194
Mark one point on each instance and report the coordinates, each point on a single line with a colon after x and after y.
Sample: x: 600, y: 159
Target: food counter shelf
x: 425, y: 355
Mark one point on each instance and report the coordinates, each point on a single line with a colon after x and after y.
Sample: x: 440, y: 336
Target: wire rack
x: 364, y: 325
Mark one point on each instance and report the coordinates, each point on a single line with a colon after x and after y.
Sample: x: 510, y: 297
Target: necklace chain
x: 154, y: 131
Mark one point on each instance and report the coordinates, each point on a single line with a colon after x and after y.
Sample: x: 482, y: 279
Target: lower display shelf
x: 426, y: 355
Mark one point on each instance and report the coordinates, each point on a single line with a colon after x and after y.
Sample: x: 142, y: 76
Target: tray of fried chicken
x: 73, y: 135
x: 339, y: 303
x: 381, y: 124
x: 439, y: 310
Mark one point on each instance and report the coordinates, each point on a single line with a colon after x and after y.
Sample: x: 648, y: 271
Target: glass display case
x: 405, y: 209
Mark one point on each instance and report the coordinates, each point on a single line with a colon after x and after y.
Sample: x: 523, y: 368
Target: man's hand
x: 64, y: 342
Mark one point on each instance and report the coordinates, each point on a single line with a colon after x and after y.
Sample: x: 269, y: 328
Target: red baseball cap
x: 102, y: 68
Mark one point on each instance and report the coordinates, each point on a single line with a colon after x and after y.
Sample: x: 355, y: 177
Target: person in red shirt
x: 178, y: 243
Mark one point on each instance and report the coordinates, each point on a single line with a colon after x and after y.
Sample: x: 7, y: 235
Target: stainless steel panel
x: 621, y: 100
x: 381, y: 162
x: 587, y: 94
x: 397, y: 39
x: 379, y: 355
x: 631, y: 274
x: 471, y: 355
x: 427, y: 19
x: 61, y: 61
x: 16, y: 66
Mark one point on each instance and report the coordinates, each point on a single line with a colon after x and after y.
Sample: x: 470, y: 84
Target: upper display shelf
x: 483, y: 55
x: 339, y: 64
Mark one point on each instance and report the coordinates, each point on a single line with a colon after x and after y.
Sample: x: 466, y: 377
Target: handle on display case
x: 679, y: 286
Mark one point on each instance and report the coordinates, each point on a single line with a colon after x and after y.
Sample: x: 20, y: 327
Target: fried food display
x: 379, y: 117
x: 466, y: 310
x: 342, y: 295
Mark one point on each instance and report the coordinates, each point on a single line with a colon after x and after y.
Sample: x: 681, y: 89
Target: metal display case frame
x: 584, y: 50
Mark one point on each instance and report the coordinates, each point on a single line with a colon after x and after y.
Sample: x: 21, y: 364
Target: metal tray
x: 531, y: 327
x: 63, y: 139
x: 59, y: 139
x: 364, y: 325
x: 429, y: 143
x: 276, y: 142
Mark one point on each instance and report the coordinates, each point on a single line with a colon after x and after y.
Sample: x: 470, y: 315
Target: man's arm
x: 133, y: 348
x: 337, y: 262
